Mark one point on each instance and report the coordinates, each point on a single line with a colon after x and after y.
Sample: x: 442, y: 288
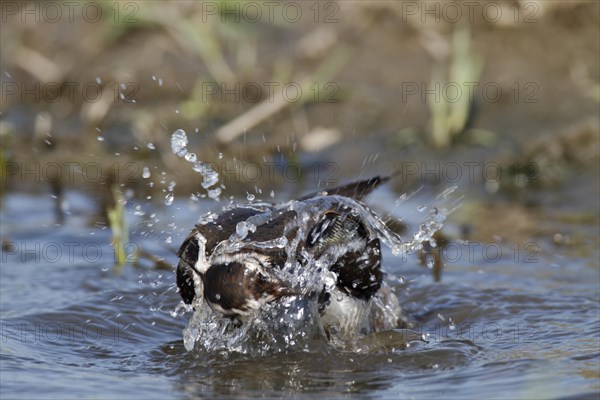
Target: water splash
x: 242, y: 229
x: 191, y: 157
x: 210, y: 177
x: 211, y: 331
x: 276, y: 328
x: 179, y: 142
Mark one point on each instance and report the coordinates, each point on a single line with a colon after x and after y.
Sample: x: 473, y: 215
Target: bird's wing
x: 355, y: 190
x: 359, y: 273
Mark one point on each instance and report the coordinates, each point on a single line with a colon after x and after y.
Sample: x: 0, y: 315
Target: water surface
x: 498, y: 326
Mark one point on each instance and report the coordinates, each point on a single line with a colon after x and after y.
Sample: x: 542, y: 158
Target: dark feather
x: 185, y: 282
x: 355, y: 190
x: 360, y: 273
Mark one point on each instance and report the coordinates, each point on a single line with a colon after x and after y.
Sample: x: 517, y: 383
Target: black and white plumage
x: 322, y: 230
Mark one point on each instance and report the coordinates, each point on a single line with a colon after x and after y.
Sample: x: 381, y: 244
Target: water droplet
x: 151, y: 146
x: 146, y: 173
x: 172, y: 185
x: 199, y: 167
x: 179, y: 142
x: 241, y: 229
x: 215, y: 193
x: 169, y: 199
x: 100, y: 138
x: 98, y: 80
x: 211, y: 178
x: 220, y: 156
x: 169, y: 239
x: 250, y: 197
x: 191, y: 157
x: 421, y: 208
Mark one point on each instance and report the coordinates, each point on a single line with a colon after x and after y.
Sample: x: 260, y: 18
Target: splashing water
x: 191, y: 157
x: 179, y: 142
x: 210, y: 177
x: 295, y: 319
x: 242, y: 229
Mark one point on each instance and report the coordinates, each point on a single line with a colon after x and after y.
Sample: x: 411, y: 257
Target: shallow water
x: 515, y: 324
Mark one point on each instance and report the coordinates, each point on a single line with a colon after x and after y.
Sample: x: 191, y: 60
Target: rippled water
x: 75, y: 326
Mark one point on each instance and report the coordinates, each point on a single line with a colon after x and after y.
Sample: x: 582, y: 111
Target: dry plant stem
x: 269, y: 107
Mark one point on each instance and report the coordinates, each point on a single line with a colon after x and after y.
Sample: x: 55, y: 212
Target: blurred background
x: 371, y: 87
x: 498, y: 98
